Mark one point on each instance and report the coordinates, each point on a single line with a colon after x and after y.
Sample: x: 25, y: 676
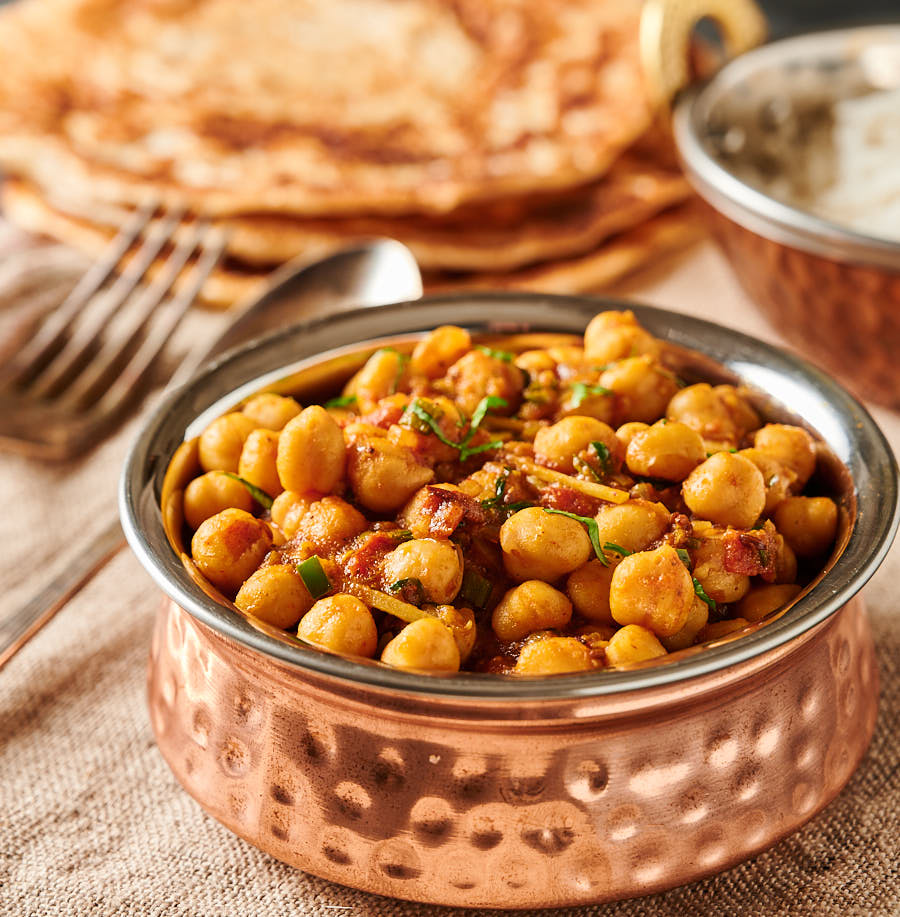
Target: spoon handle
x: 22, y: 625
x: 393, y: 277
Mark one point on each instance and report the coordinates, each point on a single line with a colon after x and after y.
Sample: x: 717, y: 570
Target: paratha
x: 619, y: 256
x: 496, y: 235
x: 315, y: 106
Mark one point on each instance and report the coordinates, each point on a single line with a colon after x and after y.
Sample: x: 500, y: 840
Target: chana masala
x: 519, y: 513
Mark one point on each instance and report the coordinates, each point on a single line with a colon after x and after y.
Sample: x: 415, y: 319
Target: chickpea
x: 722, y: 586
x: 257, y: 462
x: 596, y: 633
x: 556, y: 446
x: 785, y: 562
x: 728, y: 489
x: 653, y: 589
x: 275, y: 594
x: 614, y: 336
x: 808, y: 524
x: 425, y: 645
x: 626, y: 433
x: 222, y: 441
x: 588, y: 589
x: 665, y: 450
x: 437, y: 352
x: 763, y: 600
x: 329, y: 522
x: 379, y: 377
x: 384, y: 475
x: 477, y: 375
x: 229, y: 546
x: 574, y: 402
x: 553, y: 656
x: 715, y: 630
x: 696, y: 621
x: 742, y: 413
x: 778, y: 479
x: 541, y: 545
x: 535, y: 361
x: 342, y: 624
x: 435, y: 563
x: 461, y: 623
x: 792, y: 446
x: 210, y: 494
x: 288, y: 508
x: 633, y: 525
x: 567, y: 358
x: 311, y: 455
x: 643, y: 388
x: 633, y: 643
x: 718, y: 414
x: 531, y: 606
x: 271, y: 411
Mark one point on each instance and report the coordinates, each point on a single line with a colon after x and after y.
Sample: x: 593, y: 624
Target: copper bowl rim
x: 844, y: 424
x: 745, y: 204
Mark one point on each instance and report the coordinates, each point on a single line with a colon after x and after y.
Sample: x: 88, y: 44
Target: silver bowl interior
x: 748, y: 118
x: 784, y: 385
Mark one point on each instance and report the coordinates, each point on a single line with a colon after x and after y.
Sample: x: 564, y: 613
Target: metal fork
x: 71, y: 382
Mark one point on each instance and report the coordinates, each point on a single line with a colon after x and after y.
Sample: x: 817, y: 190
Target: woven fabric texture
x: 93, y: 823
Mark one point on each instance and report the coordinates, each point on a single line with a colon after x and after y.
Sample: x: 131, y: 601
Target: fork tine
x: 141, y: 309
x: 36, y: 351
x: 85, y: 335
x: 212, y: 244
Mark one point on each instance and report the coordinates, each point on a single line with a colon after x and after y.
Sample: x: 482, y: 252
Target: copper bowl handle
x: 666, y: 33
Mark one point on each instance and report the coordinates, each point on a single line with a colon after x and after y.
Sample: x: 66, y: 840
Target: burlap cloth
x: 92, y: 821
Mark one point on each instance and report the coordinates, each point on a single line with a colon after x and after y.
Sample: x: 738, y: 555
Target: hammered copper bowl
x: 833, y: 293
x: 497, y: 792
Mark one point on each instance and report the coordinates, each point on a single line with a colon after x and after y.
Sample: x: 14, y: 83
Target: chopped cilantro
x: 602, y: 451
x: 581, y: 391
x: 503, y: 355
x: 342, y: 401
x: 465, y: 450
x: 617, y: 548
x: 593, y: 531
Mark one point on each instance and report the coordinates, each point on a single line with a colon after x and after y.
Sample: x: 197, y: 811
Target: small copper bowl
x: 833, y: 292
x: 497, y: 792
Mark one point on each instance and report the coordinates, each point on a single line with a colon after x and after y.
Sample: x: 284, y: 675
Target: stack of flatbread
x: 508, y: 142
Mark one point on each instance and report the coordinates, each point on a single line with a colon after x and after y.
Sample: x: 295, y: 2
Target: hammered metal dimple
x: 464, y: 806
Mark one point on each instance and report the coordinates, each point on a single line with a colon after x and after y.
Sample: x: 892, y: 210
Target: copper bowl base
x: 453, y: 802
x: 844, y: 316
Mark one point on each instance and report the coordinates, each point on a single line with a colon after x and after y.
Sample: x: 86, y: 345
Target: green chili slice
x: 684, y: 557
x: 475, y: 590
x: 260, y: 496
x: 314, y: 577
x: 700, y: 592
x: 402, y: 586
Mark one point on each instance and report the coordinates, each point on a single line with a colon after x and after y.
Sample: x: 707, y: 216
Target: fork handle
x: 18, y: 628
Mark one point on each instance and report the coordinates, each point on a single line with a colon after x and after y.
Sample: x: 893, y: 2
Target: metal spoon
x: 368, y: 274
